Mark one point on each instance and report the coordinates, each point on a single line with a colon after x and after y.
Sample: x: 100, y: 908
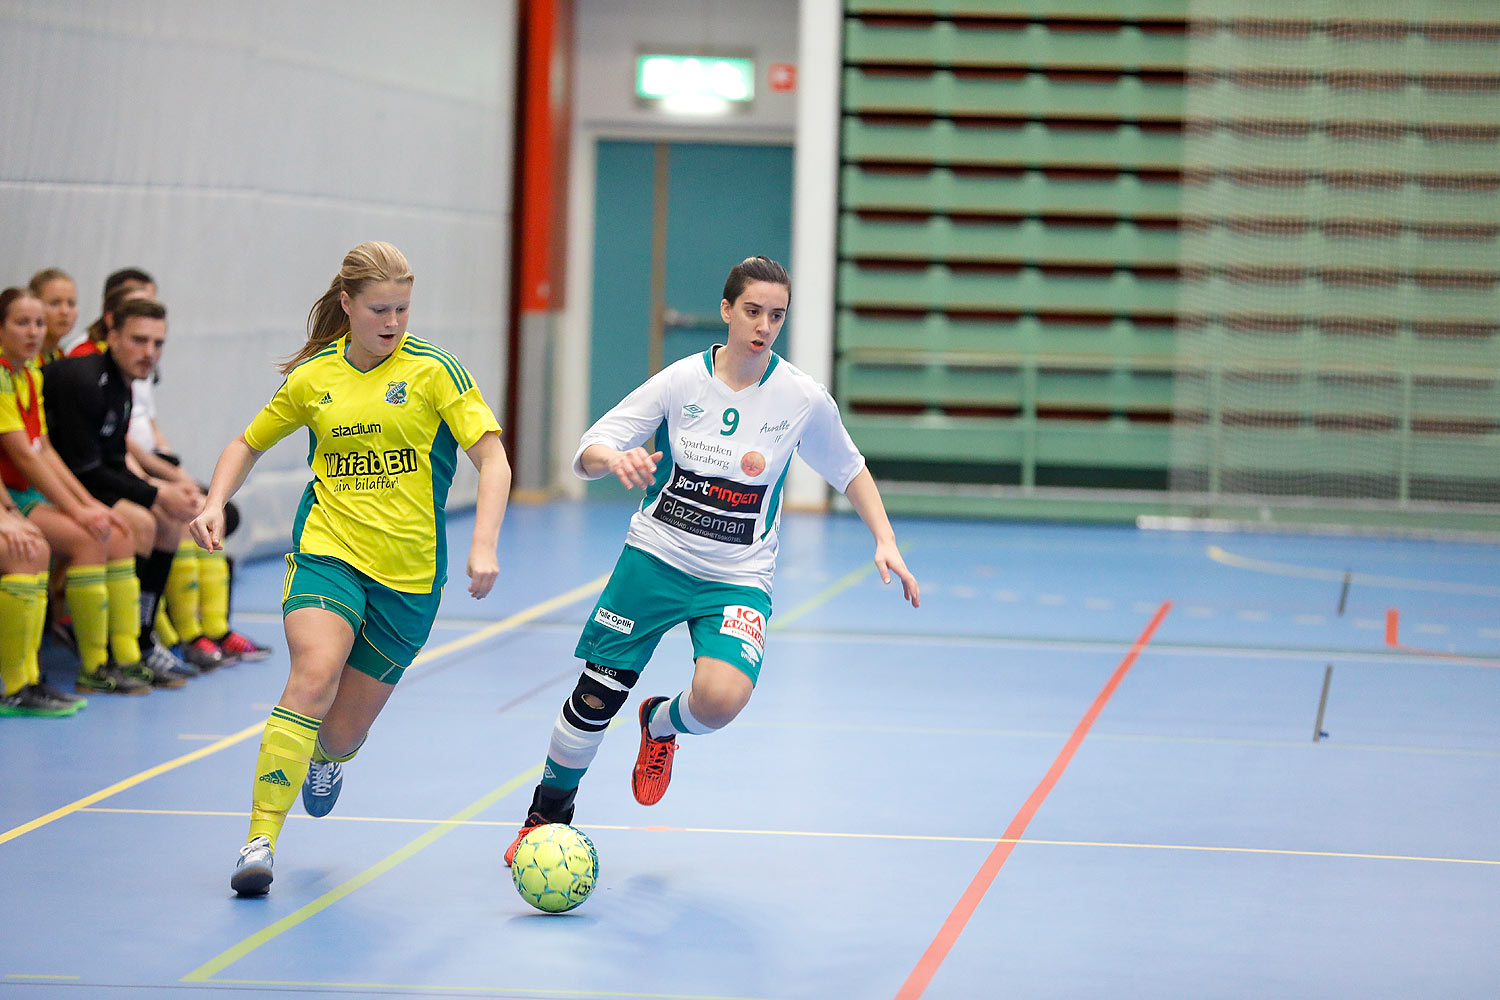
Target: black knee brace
x: 597, y: 697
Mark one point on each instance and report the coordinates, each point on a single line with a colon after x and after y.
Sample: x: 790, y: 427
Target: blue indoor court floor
x: 1084, y: 768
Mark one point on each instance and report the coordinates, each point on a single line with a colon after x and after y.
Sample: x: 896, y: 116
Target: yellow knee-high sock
x: 213, y: 592
x: 33, y: 640
x: 165, y: 633
x: 15, y: 629
x: 33, y: 586
x: 88, y: 601
x: 286, y: 746
x: 124, y: 610
x: 182, y: 594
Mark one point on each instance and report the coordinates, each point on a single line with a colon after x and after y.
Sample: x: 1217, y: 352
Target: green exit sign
x: 694, y: 83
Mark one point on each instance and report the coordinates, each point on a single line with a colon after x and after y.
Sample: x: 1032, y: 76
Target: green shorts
x: 645, y: 597
x: 389, y: 626
x: 27, y: 499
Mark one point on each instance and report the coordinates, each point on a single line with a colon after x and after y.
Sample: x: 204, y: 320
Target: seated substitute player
x: 23, y: 612
x: 702, y: 547
x: 59, y: 295
x: 93, y: 545
x: 195, y: 608
x: 387, y: 414
x: 88, y: 403
x: 126, y: 283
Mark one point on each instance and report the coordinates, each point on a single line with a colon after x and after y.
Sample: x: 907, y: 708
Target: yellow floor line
x: 499, y: 990
x: 503, y: 625
x: 130, y: 782
x: 205, y: 971
x: 224, y: 959
x: 841, y: 584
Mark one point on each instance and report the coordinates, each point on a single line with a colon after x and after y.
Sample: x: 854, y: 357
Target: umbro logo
x: 327, y: 398
x: 276, y: 777
x: 692, y: 410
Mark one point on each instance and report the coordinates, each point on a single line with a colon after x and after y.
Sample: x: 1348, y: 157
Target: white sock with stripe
x: 674, y: 717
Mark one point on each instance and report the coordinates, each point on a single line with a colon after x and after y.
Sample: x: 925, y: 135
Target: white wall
x: 236, y: 151
x: 608, y: 36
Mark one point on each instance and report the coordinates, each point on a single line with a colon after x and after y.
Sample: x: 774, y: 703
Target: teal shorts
x: 26, y: 499
x: 389, y: 627
x: 645, y: 597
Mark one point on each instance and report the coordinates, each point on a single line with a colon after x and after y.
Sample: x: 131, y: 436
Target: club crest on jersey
x: 395, y: 393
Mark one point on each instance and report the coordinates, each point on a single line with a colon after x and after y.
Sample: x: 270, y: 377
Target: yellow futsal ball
x: 555, y: 867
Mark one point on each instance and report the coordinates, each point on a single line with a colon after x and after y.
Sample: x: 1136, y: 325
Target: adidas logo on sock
x: 275, y: 777
x: 327, y: 398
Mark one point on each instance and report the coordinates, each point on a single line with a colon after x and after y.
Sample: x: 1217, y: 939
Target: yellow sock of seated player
x: 182, y: 592
x: 124, y: 610
x: 286, y: 746
x: 213, y: 592
x: 15, y: 629
x: 88, y: 602
x: 36, y: 627
x: 165, y: 633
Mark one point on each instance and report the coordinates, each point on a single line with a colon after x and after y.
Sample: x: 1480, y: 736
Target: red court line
x: 937, y: 951
x: 1393, y: 640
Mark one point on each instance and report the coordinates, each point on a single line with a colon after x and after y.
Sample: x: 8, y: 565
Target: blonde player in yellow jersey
x: 386, y: 413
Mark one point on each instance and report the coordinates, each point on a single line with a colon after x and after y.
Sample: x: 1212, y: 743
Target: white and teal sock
x: 674, y: 717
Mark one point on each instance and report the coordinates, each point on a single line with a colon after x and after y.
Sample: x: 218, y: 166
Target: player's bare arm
x: 865, y: 498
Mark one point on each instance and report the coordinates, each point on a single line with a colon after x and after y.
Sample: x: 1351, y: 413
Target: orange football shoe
x: 653, y: 764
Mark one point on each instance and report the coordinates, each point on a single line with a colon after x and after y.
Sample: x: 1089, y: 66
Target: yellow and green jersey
x: 20, y: 410
x: 383, y: 448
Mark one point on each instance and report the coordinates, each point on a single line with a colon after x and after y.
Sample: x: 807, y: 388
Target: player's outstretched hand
x: 635, y: 467
x: 888, y: 560
x: 207, y: 528
x: 483, y: 570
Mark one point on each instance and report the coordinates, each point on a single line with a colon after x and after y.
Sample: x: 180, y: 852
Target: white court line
x: 848, y: 835
x: 1387, y: 655
x: 1219, y: 555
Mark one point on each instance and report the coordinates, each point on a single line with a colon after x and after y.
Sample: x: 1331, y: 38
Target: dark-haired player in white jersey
x: 702, y: 547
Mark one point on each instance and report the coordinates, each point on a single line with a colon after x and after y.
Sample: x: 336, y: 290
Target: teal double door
x: 670, y: 220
